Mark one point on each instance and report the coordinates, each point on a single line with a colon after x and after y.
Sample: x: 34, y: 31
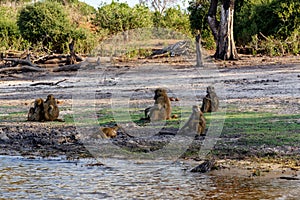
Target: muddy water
x: 57, y: 178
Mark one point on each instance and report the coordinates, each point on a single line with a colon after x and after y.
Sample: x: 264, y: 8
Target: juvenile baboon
x: 210, y: 101
x: 162, y: 106
x: 36, y: 113
x: 51, y: 110
x: 109, y: 132
x: 196, y: 121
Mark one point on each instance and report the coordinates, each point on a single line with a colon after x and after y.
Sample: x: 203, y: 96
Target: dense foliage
x: 10, y: 37
x: 172, y: 18
x: 118, y: 17
x: 198, y: 21
x: 271, y: 25
x: 265, y: 26
x: 46, y: 23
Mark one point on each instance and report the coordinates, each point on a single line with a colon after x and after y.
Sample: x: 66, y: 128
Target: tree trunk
x: 212, y: 19
x: 223, y: 31
x: 198, y: 50
x: 72, y: 58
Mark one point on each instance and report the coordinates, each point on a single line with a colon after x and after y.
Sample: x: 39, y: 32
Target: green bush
x: 172, y: 18
x: 47, y: 23
x: 273, y: 24
x: 10, y: 37
x: 198, y: 10
x: 118, y: 17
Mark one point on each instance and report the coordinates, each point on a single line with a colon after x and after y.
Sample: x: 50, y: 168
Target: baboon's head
x: 210, y: 89
x: 39, y: 101
x: 196, y: 108
x: 50, y: 97
x: 159, y: 92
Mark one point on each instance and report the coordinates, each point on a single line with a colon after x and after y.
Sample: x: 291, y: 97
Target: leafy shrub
x: 274, y: 22
x: 46, y: 22
x: 10, y: 37
x: 172, y: 18
x: 118, y: 17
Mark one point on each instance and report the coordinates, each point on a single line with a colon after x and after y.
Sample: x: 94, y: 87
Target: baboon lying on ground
x: 210, y: 101
x: 111, y: 132
x: 36, y: 113
x: 162, y: 106
x: 196, y: 121
x: 44, y: 111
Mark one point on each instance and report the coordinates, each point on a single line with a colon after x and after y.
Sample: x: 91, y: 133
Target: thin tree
x: 223, y: 30
x: 159, y: 5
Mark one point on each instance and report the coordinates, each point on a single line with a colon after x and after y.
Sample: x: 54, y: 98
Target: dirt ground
x: 250, y: 84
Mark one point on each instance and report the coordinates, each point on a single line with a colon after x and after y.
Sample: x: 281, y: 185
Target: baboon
x: 196, y: 121
x: 162, y: 106
x: 51, y: 110
x: 157, y: 113
x: 109, y: 132
x: 36, y: 113
x: 210, y: 101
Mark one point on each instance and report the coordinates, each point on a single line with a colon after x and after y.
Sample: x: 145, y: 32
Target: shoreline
x: 47, y: 139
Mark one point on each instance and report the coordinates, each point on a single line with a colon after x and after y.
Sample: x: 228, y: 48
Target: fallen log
x: 73, y: 67
x: 178, y: 49
x: 23, y: 68
x: 17, y: 61
x: 204, y: 167
x: 48, y: 83
x: 46, y: 58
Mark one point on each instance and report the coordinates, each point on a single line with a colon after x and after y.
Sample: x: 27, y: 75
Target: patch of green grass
x: 254, y: 128
x: 13, y: 116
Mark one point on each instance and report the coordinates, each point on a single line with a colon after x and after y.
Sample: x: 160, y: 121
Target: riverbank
x: 261, y: 102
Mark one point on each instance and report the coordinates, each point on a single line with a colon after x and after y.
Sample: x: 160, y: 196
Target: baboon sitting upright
x: 36, y: 113
x: 196, y: 121
x: 210, y: 101
x: 51, y: 110
x: 162, y: 106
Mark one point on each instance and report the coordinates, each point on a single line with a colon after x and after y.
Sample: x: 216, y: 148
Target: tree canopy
x: 266, y: 26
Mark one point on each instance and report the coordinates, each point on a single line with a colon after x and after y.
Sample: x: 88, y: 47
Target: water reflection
x: 60, y: 179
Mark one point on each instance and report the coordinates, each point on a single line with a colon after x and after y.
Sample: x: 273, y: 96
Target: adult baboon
x: 162, y: 106
x: 36, y: 113
x: 51, y: 110
x: 196, y: 121
x: 210, y: 101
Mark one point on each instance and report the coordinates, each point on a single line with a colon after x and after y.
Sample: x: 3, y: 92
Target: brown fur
x: 162, y: 106
x: 36, y: 113
x: 210, y: 101
x: 196, y: 121
x: 109, y: 132
x: 51, y: 111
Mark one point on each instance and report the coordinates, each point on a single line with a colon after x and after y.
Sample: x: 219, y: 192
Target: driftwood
x: 204, y: 167
x: 23, y: 68
x: 47, y: 83
x: 74, y: 67
x: 17, y: 61
x: 289, y: 178
x: 49, y: 58
x: 177, y: 49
